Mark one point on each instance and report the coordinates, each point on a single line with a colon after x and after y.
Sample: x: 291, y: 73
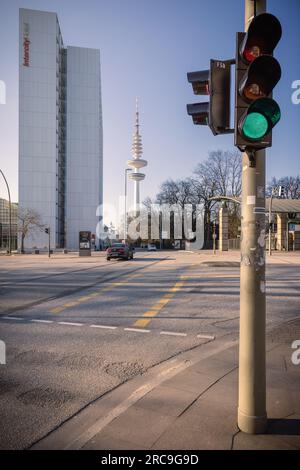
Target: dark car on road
x: 119, y: 250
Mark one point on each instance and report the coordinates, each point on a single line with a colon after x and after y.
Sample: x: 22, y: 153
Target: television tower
x: 137, y: 162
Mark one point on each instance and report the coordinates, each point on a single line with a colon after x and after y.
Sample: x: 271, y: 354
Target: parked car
x: 119, y: 250
x: 151, y: 247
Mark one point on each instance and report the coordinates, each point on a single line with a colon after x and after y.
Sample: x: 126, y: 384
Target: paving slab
x: 192, y: 382
x: 106, y: 441
x: 244, y: 441
x: 167, y: 401
x: 215, y: 367
x: 205, y: 434
x: 279, y: 402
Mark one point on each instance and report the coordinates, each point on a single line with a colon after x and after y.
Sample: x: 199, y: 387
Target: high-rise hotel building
x: 60, y: 132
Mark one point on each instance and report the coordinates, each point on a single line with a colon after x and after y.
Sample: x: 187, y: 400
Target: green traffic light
x: 255, y: 126
x: 261, y: 117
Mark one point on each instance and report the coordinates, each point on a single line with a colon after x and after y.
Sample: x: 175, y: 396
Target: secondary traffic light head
x: 257, y: 73
x: 214, y: 82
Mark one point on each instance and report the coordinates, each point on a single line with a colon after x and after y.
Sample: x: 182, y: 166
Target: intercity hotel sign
x: 26, y: 44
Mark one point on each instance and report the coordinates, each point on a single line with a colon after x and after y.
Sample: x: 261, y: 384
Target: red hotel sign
x: 26, y: 43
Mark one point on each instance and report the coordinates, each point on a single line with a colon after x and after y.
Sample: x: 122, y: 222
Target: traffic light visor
x: 200, y: 82
x: 263, y: 35
x: 261, y: 77
x: 199, y: 113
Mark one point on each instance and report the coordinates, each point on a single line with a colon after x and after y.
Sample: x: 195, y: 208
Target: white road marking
x: 12, y: 318
x: 206, y: 336
x: 106, y: 327
x: 42, y: 321
x: 172, y: 333
x: 139, y: 330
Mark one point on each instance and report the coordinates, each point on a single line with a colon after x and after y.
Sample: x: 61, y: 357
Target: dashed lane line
x: 172, y: 333
x: 206, y: 337
x: 107, y: 327
x: 137, y: 330
x: 104, y: 327
x: 42, y: 321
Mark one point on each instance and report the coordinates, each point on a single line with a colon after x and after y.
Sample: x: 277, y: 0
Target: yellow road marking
x: 150, y: 313
x: 57, y: 310
x: 147, y: 316
x: 141, y: 323
x: 82, y: 299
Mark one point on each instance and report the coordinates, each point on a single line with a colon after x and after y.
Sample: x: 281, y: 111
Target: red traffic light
x: 262, y: 37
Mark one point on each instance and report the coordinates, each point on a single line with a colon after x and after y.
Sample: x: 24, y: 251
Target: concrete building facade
x: 60, y: 131
x: 4, y: 224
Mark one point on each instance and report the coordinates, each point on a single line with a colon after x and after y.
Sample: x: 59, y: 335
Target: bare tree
x: 147, y: 203
x: 175, y: 192
x: 29, y: 221
x: 221, y: 173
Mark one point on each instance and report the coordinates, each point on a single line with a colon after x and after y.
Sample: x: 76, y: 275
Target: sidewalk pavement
x: 194, y: 409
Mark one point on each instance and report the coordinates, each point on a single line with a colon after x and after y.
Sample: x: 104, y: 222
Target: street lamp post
x: 9, y: 211
x: 125, y: 212
x: 214, y: 236
x: 270, y: 222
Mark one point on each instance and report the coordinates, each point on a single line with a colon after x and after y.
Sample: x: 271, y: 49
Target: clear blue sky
x: 147, y: 47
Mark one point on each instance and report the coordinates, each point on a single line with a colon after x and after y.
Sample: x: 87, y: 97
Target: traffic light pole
x: 252, y: 417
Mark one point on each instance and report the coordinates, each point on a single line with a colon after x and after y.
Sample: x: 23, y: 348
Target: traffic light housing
x: 214, y: 83
x: 257, y: 73
x: 46, y: 230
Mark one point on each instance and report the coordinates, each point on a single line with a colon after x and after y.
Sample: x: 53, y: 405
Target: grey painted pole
x: 252, y: 416
x: 9, y: 212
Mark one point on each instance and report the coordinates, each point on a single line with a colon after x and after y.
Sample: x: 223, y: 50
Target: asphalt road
x: 75, y: 329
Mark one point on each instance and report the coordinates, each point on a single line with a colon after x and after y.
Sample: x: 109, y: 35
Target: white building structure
x: 60, y: 131
x: 137, y: 162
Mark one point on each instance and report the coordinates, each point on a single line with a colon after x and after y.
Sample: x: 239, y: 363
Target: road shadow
x: 284, y: 427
